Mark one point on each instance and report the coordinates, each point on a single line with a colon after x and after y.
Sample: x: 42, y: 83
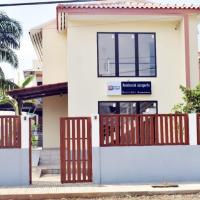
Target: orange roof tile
x: 128, y: 4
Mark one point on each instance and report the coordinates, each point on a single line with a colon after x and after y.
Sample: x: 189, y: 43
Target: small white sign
x: 114, y: 88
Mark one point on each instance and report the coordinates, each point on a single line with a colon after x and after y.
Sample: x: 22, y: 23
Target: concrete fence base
x: 146, y: 164
x: 14, y: 163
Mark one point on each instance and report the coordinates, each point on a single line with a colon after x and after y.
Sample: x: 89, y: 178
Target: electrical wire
x: 43, y: 3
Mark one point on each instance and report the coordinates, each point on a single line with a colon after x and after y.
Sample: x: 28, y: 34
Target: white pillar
x: 193, y: 129
x: 25, y: 132
x: 96, y: 154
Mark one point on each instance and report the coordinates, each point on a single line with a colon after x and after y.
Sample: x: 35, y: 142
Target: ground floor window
x: 127, y: 107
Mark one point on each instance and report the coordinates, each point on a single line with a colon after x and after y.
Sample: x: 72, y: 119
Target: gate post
x: 192, y: 128
x: 96, y: 164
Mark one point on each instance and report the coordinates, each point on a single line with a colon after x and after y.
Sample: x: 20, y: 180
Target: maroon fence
x: 136, y: 130
x: 198, y: 128
x: 10, y: 132
x: 76, y: 149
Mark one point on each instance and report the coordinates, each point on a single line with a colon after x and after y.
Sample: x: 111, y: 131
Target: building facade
x: 117, y: 58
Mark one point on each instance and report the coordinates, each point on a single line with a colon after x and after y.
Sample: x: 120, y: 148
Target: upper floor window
x: 126, y: 54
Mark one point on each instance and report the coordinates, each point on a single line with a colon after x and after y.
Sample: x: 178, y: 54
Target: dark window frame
x: 137, y: 104
x: 117, y: 54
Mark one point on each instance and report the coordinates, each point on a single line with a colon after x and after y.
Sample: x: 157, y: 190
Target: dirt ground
x: 155, y: 197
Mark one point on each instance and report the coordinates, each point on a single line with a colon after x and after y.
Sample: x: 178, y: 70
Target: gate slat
x: 83, y: 150
x: 122, y: 129
x: 142, y: 131
x: 62, y: 152
x: 2, y: 132
x: 132, y: 135
x: 166, y: 130
x: 78, y: 151
x: 186, y: 129
x: 176, y: 129
x: 68, y: 152
x: 73, y: 151
x: 181, y: 129
x: 161, y: 130
x: 137, y: 130
x: 117, y: 130
x: 152, y: 131
x: 89, y: 143
x: 6, y: 132
x: 10, y: 131
x: 171, y: 130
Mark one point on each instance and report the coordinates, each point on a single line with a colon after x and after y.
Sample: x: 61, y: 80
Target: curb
x: 91, y: 195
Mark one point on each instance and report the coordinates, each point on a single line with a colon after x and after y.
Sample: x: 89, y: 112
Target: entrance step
x: 36, y: 172
x: 49, y: 171
x: 49, y: 157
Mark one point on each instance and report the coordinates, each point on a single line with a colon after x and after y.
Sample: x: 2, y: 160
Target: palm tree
x: 10, y: 34
x: 5, y: 86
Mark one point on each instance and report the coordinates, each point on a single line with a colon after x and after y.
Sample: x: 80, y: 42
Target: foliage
x: 6, y: 85
x: 34, y: 140
x: 191, y: 98
x: 10, y: 34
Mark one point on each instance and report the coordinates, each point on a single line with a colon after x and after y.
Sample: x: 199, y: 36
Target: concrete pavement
x: 50, y: 188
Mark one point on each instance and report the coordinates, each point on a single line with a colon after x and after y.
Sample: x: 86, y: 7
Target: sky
x: 31, y: 16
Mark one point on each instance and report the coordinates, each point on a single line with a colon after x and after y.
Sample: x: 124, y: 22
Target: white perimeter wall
x: 14, y: 167
x: 146, y: 164
x: 14, y: 163
x: 156, y: 164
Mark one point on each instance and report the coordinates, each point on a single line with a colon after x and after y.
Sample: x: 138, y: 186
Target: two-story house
x: 116, y: 56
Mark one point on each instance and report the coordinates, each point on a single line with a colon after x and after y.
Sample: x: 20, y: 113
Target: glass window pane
x: 107, y: 108
x: 147, y: 59
x: 148, y: 107
x: 126, y: 44
x: 106, y: 49
x: 128, y: 108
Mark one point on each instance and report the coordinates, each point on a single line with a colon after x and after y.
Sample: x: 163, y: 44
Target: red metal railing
x: 133, y: 130
x: 198, y: 128
x: 76, y: 149
x: 10, y: 132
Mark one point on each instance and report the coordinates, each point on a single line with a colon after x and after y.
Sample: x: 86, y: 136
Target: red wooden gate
x: 75, y: 149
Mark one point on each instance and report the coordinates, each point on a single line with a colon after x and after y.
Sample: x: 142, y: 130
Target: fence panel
x: 76, y: 149
x: 133, y: 130
x: 198, y: 128
x: 10, y: 132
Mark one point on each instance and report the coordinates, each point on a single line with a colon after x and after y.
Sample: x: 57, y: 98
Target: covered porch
x: 54, y: 105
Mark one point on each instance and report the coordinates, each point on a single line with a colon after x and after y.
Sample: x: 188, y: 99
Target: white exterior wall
x: 86, y: 89
x: 53, y: 108
x: 194, y: 63
x: 54, y: 55
x: 54, y: 71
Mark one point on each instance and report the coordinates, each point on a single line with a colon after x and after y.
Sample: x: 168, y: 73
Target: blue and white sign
x: 128, y: 88
x: 114, y: 88
x: 142, y: 87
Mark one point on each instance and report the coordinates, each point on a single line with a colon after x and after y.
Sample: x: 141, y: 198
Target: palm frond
x: 5, y: 86
x: 9, y: 56
x: 2, y: 75
x: 10, y: 31
x: 28, y: 80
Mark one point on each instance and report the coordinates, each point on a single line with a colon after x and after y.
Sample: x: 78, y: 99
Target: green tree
x: 191, y: 98
x: 10, y: 34
x: 5, y: 86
